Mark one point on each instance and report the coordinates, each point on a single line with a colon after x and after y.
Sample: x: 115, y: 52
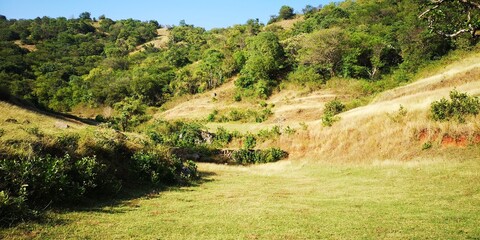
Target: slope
x: 377, y: 131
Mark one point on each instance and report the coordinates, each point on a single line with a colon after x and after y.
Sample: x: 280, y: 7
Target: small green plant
x: 211, y: 117
x: 269, y: 134
x: 249, y: 142
x: 237, y: 97
x: 223, y: 137
x: 329, y: 119
x: 289, y: 130
x: 332, y: 108
x: 427, y: 145
x: 460, y: 106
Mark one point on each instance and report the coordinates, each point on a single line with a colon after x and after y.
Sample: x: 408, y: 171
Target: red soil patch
x: 449, y: 141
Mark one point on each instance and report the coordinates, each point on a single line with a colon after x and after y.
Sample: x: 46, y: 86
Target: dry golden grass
x: 288, y: 24
x: 369, y: 133
x: 161, y: 41
x: 29, y: 47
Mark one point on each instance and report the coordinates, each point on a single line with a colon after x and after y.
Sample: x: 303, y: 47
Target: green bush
x: 332, y: 108
x: 269, y: 134
x: 156, y: 169
x: 246, y: 156
x: 222, y: 137
x: 249, y: 142
x: 211, y: 116
x: 40, y: 181
x: 176, y: 134
x: 460, y: 106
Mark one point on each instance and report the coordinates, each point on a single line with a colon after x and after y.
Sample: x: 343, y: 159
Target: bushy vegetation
x: 459, y: 107
x: 249, y: 156
x: 332, y: 108
x: 68, y: 168
x: 241, y: 115
x: 97, y: 62
x: 59, y: 63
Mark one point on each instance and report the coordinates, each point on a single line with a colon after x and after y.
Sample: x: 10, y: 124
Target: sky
x: 202, y: 13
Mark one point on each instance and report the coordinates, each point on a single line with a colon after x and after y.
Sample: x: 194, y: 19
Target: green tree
x: 323, y: 50
x: 129, y: 112
x: 452, y: 18
x: 286, y: 12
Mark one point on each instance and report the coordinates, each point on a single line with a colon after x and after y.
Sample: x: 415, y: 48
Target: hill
x: 368, y: 133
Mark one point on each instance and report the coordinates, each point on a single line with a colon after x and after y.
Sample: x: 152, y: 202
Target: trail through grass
x: 292, y: 200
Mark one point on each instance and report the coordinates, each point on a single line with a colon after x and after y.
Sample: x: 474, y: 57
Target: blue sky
x: 203, y: 13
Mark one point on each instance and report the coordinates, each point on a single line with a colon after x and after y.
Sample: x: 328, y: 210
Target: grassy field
x: 428, y: 199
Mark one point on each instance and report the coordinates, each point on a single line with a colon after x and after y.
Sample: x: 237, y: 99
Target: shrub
x: 222, y: 137
x: 250, y: 142
x: 269, y: 134
x: 332, y: 108
x: 246, y: 156
x: 460, y: 106
x: 156, y: 169
x: 237, y: 97
x: 289, y: 131
x: 211, y: 116
x: 176, y: 134
x: 39, y: 181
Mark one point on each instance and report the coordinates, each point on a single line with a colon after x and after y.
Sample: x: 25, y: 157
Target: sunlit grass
x: 292, y: 200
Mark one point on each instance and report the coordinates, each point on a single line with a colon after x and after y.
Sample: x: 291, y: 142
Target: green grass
x: 291, y: 200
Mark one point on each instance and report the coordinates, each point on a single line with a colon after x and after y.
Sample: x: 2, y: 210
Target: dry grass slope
x: 373, y: 132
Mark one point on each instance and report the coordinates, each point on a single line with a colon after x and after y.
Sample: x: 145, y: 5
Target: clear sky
x: 203, y: 13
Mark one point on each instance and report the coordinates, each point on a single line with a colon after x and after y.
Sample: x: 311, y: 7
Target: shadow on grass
x: 124, y: 201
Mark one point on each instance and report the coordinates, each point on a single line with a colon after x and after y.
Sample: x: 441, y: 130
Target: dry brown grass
x: 161, y: 41
x: 29, y: 47
x: 288, y: 24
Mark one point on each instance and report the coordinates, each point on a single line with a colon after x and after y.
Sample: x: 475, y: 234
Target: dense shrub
x: 246, y: 156
x: 332, y: 108
x: 222, y: 137
x: 40, y: 181
x: 155, y: 168
x: 460, y: 106
x: 176, y: 134
x: 68, y: 168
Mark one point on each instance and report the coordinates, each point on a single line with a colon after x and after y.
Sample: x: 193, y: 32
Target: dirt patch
x: 460, y: 141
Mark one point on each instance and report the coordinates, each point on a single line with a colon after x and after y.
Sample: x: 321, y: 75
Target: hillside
x: 367, y: 133
x: 357, y: 119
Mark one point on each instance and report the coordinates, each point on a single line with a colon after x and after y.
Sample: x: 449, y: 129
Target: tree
x: 129, y: 112
x: 264, y: 56
x: 286, y: 12
x: 212, y: 66
x: 323, y: 50
x: 451, y: 18
x: 85, y: 16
